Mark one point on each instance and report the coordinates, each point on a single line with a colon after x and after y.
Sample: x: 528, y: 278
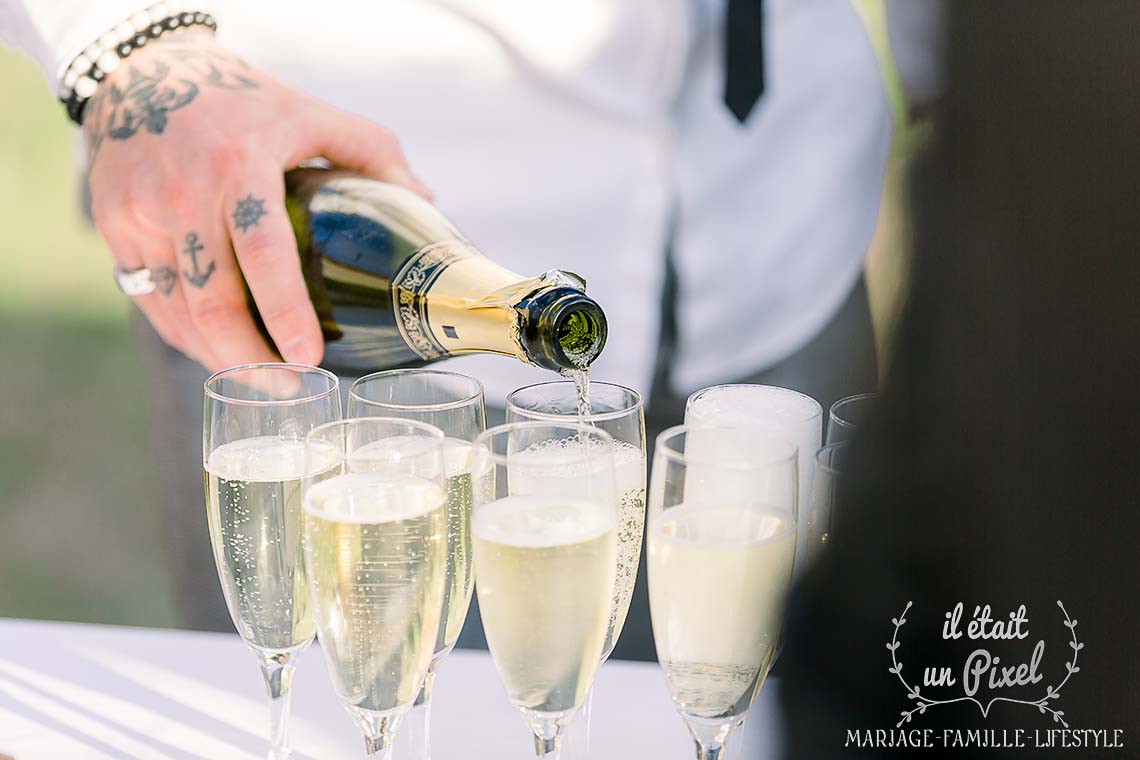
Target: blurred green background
x: 79, y: 505
x: 78, y: 525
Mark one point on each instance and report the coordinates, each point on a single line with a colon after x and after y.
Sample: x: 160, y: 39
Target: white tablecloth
x: 74, y: 691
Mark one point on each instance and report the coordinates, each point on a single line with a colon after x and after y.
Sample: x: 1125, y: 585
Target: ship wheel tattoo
x: 248, y: 212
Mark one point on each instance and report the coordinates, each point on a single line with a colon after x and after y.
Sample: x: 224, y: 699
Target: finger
x: 130, y: 253
x: 215, y: 297
x: 354, y: 142
x: 266, y: 250
x: 167, y: 306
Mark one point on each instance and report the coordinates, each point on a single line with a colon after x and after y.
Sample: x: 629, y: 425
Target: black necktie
x: 744, y: 56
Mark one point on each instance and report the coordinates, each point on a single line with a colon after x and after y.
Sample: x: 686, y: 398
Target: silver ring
x: 134, y: 282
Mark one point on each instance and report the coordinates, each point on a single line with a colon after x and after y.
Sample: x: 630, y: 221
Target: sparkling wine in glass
x: 721, y: 549
x: 375, y: 545
x: 453, y: 403
x: 545, y: 538
x: 618, y: 411
x: 256, y: 418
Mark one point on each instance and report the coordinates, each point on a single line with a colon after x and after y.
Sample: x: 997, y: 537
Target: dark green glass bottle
x: 395, y: 284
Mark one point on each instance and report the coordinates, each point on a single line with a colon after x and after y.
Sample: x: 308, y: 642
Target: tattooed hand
x: 188, y: 145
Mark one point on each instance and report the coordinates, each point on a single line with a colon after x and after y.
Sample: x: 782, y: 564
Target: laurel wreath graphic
x: 922, y: 701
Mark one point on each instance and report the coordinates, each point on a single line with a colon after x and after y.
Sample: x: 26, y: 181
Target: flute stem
x: 710, y: 753
x: 414, y: 742
x: 277, y: 669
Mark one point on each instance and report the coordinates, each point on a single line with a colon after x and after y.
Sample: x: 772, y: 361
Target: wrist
x: 157, y: 50
x: 104, y: 56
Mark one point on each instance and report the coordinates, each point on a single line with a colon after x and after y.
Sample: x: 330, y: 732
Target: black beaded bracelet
x: 81, y: 80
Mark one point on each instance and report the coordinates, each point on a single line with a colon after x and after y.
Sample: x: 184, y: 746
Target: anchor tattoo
x: 198, y: 277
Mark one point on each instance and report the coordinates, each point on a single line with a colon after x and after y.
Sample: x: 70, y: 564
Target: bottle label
x: 450, y: 299
x: 410, y: 287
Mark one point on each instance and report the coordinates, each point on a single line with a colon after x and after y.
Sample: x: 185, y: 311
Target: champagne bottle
x: 395, y: 284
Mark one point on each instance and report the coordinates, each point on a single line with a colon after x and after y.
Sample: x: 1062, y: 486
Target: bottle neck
x: 439, y: 299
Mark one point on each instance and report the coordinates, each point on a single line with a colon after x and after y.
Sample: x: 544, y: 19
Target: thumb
x: 353, y: 142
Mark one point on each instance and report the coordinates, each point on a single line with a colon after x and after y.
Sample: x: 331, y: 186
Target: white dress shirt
x: 581, y: 134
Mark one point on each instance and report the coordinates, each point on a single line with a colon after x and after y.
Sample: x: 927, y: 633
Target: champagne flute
x: 721, y: 539
x: 848, y: 414
x: 375, y: 542
x: 618, y: 411
x: 544, y: 531
x: 765, y: 407
x: 830, y: 463
x: 453, y: 403
x: 256, y: 417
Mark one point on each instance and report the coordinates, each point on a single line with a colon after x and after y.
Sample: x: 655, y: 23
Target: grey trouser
x: 838, y: 362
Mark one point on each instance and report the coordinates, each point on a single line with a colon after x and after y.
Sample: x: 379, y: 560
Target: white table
x: 76, y: 691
